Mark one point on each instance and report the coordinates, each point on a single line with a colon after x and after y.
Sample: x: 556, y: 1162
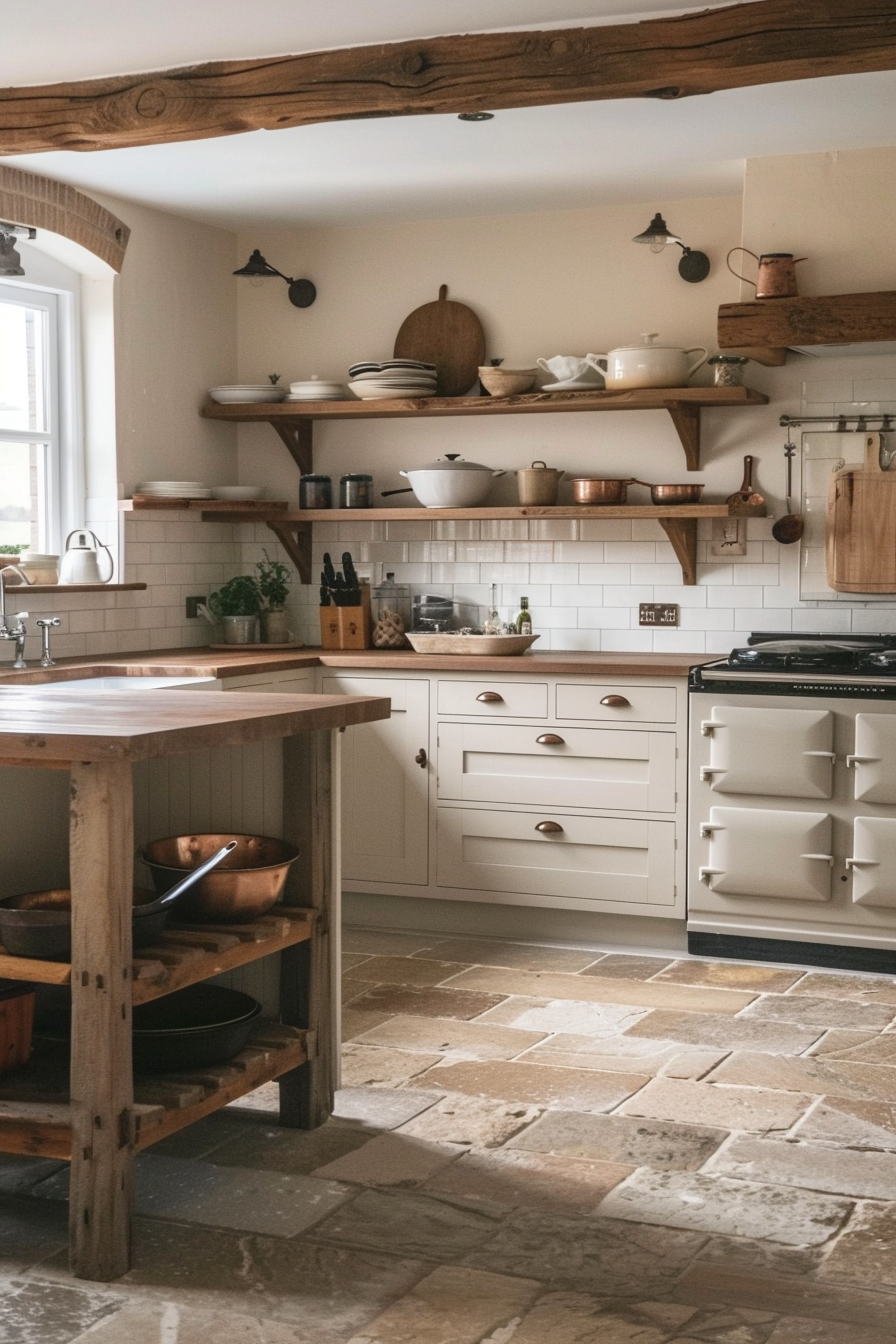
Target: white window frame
x: 63, y: 483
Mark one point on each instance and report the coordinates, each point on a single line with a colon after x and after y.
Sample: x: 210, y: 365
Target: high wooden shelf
x: 293, y: 420
x: 764, y: 329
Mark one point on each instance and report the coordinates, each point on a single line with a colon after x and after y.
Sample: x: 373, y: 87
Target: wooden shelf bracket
x: 682, y: 532
x: 295, y: 538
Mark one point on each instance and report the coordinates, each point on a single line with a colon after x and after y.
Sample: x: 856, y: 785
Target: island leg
x: 101, y: 866
x: 309, y: 972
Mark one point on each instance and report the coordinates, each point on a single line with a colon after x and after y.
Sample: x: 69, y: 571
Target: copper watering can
x: 777, y: 273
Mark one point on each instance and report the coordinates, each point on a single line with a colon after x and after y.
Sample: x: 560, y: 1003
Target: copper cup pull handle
x: 490, y: 698
x: 549, y: 828
x: 550, y: 740
x: 421, y: 758
x: 616, y: 702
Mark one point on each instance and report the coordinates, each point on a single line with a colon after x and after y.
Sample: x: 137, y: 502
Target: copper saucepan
x: 672, y: 494
x: 594, y: 490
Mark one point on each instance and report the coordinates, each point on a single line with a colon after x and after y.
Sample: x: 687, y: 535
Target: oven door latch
x: 707, y: 726
x: 824, y: 858
x: 853, y: 761
x: 862, y: 863
x: 831, y: 755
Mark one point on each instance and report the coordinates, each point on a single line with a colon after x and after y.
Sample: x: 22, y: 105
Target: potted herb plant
x: 273, y: 581
x: 236, y: 605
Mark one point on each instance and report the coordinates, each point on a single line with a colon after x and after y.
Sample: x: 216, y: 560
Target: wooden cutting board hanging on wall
x: 449, y: 335
x: 861, y: 525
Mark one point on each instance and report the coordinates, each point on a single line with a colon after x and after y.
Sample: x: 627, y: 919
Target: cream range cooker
x: 792, y: 803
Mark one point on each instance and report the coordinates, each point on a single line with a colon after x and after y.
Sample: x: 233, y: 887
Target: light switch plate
x: 729, y: 536
x: 658, y: 613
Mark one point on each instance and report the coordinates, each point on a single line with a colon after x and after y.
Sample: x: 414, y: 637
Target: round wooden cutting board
x: 446, y: 334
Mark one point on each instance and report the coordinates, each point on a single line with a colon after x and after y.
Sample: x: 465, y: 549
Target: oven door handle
x: 707, y: 772
x: 853, y: 761
x: 708, y: 726
x: 827, y: 858
x: 707, y: 874
x: 831, y: 755
x: 862, y: 863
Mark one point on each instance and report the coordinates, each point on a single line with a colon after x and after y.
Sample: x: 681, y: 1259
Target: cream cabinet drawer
x: 497, y: 699
x: 572, y: 767
x: 608, y: 859
x: 623, y: 704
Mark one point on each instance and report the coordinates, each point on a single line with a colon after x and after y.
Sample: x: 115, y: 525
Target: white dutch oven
x: 647, y: 364
x: 451, y: 483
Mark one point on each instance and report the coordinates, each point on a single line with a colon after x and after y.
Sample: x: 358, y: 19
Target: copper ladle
x: 789, y: 528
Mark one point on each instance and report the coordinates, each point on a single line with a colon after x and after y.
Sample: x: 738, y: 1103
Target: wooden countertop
x: 117, y: 725
x: 254, y: 659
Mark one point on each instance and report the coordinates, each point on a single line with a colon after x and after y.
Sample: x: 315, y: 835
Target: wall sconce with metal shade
x: 302, y: 293
x: 693, y: 266
x: 10, y: 261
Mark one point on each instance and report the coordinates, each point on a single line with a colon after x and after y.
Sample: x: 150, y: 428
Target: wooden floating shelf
x: 40, y: 1125
x: 764, y: 329
x: 17, y: 588
x: 185, y: 954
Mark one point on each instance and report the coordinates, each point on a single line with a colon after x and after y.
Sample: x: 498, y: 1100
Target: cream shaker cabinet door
x: 759, y: 851
x: 779, y: 753
x: 874, y: 760
x: 569, y: 767
x: 385, y: 788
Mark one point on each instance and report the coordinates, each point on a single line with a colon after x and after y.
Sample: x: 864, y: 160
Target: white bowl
x: 237, y: 491
x: 230, y: 395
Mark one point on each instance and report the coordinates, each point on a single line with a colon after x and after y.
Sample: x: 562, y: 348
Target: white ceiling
x: 556, y: 157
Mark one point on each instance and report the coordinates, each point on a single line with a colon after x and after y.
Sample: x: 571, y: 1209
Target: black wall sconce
x: 693, y: 266
x: 10, y: 261
x: 302, y: 293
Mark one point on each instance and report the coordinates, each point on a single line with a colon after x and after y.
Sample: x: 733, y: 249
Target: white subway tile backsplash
x: 459, y: 530
x: 577, y: 595
x: 721, y: 595
x: 545, y: 617
x: 625, y: 641
x: 604, y: 618
x: 624, y: 595
x: 618, y: 574
x: 765, y: 575
x: 501, y: 573
x: 455, y: 574
x: 554, y: 574
x: 647, y: 529
x: 631, y: 552
x: 761, y: 618
x: 553, y: 529
x: 654, y: 574
x: 679, y: 641
x: 480, y: 552
x: 703, y: 618
x: 576, y: 639
x: 504, y: 529
x: 579, y: 552
x: 410, y: 531
x: 608, y: 529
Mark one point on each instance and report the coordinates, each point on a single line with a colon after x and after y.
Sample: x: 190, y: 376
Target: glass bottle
x: 492, y: 623
x: 524, y: 619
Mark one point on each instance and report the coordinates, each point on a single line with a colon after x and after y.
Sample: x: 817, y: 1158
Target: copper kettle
x: 777, y: 273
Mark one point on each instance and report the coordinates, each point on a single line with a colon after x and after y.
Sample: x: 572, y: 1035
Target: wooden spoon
x: 789, y: 528
x: 746, y: 500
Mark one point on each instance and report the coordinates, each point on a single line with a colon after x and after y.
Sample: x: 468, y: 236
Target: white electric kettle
x: 80, y: 563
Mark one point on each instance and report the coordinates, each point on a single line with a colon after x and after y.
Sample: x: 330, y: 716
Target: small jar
x: 728, y: 370
x: 355, y: 491
x: 392, y: 614
x: 315, y: 492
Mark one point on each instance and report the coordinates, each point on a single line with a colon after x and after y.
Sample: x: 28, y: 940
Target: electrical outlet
x: 192, y: 606
x: 729, y: 536
x: 657, y: 613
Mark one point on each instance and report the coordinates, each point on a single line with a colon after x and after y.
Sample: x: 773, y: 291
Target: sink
x: 78, y: 685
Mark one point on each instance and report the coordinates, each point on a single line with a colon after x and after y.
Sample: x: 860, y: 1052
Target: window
x: 39, y: 464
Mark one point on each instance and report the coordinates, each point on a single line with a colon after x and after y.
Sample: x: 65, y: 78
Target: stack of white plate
x: 393, y: 378
x: 175, y: 489
x: 315, y: 389
x: 237, y: 491
x: 247, y: 392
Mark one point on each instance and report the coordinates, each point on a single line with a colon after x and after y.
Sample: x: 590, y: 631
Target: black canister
x: 315, y: 492
x: 355, y: 491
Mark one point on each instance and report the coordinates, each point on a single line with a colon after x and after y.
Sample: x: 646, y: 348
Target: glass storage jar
x: 315, y: 492
x: 391, y: 614
x: 728, y: 370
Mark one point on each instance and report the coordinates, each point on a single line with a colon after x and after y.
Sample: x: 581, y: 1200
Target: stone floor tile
x: 864, y: 1253
x: 522, y: 956
x: 50, y: 1313
x: 814, y: 1166
x: 385, y: 942
x: 734, y: 1207
x: 754, y: 1257
x: 618, y: 1138
x: 412, y: 1225
x: 349, y: 960
x: 809, y: 1010
x: 596, y: 989
x: 749, y: 1108
x: 355, y: 1021
x: 529, y: 1180
x: 728, y: 1325
x: 397, y: 1160
x: 329, y: 1292
x: 30, y: 1231
x: 793, y: 1330
x: 600, y: 1021
x: 418, y: 971
x: 693, y: 1064
x: 849, y: 1305
x: 264, y: 1098
x: 579, y: 1318
x: 18, y: 1174
x: 270, y: 1147
x: 382, y: 1108
x: 858, y: 1047
x: 426, y: 1002
x: 739, y: 1033
x: 850, y: 1124
x: 155, y: 1322
x: 371, y: 1066
x: 625, y: 966
x: 820, y: 1076
x: 537, y: 1084
x: 471, y: 1121
x: 731, y: 975
x: 351, y: 989
x: 453, y: 1305
x: 459, y: 1040
x: 197, y: 1141
x: 607, y: 1256
x: 614, y: 1053
x: 848, y: 985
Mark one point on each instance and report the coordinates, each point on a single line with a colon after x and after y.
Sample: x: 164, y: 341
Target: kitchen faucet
x: 18, y: 631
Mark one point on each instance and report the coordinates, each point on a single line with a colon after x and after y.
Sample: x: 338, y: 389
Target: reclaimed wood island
x: 93, y: 1112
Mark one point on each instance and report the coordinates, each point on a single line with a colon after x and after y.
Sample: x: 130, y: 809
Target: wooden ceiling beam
x: 764, y: 42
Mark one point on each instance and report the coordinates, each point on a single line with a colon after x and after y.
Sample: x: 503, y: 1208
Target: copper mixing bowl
x: 243, y: 886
